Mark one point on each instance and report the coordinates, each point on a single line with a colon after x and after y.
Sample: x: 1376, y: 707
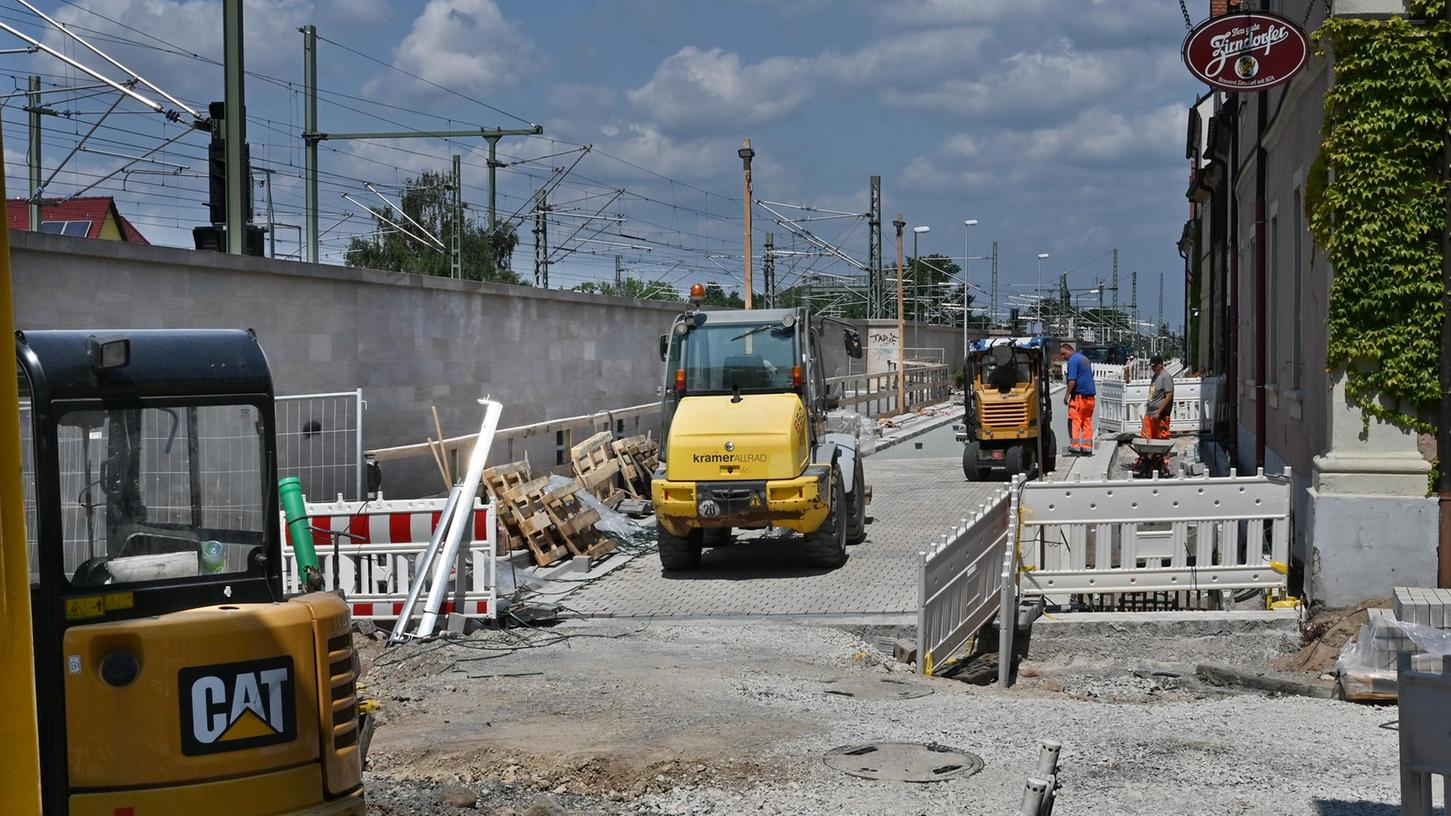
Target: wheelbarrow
x: 1153, y: 457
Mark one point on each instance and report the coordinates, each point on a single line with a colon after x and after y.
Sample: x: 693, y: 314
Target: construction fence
x: 320, y: 441
x: 1061, y: 540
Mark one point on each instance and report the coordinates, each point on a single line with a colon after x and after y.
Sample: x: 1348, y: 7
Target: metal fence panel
x: 320, y: 441
x: 959, y: 582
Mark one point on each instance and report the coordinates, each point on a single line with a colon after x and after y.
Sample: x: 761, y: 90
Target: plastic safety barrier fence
x: 1155, y: 535
x: 960, y: 579
x: 369, y: 549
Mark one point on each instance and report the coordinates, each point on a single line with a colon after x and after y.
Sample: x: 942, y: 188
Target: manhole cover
x: 903, y: 761
x: 877, y: 688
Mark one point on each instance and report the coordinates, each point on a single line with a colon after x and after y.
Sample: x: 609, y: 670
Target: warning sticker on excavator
x: 96, y: 606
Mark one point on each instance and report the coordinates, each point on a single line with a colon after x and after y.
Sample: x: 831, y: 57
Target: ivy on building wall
x: 1377, y: 208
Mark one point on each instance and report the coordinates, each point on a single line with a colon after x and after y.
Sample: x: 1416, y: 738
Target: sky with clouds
x: 1057, y: 124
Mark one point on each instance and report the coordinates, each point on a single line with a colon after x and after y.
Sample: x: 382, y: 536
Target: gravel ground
x: 719, y: 717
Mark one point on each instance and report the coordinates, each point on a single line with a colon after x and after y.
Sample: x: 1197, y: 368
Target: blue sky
x: 1058, y: 124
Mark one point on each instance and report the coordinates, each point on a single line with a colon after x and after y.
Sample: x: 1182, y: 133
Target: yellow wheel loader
x: 746, y: 439
x: 1008, y: 413
x: 172, y: 676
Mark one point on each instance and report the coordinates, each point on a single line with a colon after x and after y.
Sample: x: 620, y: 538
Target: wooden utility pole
x: 746, y: 153
x: 901, y: 322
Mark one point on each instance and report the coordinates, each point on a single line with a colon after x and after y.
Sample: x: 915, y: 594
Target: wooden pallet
x: 596, y: 466
x: 639, y: 456
x: 574, y: 523
x: 521, y: 511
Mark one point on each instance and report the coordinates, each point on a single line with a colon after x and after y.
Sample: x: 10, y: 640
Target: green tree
x: 716, y: 296
x: 485, y: 256
x: 632, y: 288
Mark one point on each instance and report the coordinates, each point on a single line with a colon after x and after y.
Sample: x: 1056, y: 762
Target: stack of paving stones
x: 1428, y: 607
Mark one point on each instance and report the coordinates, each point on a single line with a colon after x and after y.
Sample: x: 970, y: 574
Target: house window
x: 75, y: 229
x: 1272, y: 303
x: 1297, y: 348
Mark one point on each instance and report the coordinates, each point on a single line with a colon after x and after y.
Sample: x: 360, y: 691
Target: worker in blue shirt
x: 1079, y: 397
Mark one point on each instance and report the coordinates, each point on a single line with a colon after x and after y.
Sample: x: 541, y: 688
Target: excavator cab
x: 172, y: 675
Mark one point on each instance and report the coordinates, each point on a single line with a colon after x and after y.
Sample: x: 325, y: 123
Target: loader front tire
x: 678, y: 553
x: 826, y: 545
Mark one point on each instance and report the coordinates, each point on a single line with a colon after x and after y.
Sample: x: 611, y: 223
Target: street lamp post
x: 966, y: 259
x: 917, y: 286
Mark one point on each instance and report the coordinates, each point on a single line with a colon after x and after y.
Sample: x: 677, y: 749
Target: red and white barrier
x: 377, y: 545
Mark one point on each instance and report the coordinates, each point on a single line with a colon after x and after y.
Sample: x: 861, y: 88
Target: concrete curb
x: 1216, y: 674
x: 929, y: 424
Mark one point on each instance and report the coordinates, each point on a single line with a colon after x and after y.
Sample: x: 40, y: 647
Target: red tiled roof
x: 93, y: 209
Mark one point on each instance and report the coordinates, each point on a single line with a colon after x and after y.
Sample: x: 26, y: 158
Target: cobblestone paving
x: 914, y: 501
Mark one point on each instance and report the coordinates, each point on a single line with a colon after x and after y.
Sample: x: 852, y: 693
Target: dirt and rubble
x: 724, y: 717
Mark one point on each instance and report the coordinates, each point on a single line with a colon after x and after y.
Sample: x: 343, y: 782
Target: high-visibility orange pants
x: 1156, y: 427
x: 1080, y: 423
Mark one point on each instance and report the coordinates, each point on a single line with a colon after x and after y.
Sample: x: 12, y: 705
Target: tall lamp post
x: 966, y: 259
x: 901, y: 332
x: 917, y: 279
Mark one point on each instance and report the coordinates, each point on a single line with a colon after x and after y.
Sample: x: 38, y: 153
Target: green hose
x: 290, y: 488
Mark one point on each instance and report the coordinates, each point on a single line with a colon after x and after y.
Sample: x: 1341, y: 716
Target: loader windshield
x: 160, y: 492
x: 721, y: 358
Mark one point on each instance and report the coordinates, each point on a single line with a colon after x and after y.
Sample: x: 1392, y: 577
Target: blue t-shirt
x: 1081, y: 372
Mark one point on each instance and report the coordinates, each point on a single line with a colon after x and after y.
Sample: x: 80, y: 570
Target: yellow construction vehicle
x: 1008, y: 411
x: 746, y: 438
x: 172, y: 676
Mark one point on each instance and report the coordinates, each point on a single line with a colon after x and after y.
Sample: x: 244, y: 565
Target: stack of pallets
x: 549, y: 522
x: 598, y: 468
x: 638, y: 456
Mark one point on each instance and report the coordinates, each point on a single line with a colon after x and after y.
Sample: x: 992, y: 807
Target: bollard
x: 1048, y: 759
x: 1033, y: 795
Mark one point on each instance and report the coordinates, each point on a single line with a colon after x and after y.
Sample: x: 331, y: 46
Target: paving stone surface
x: 914, y: 501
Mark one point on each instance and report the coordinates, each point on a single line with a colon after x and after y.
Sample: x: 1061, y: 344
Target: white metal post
x: 462, y: 519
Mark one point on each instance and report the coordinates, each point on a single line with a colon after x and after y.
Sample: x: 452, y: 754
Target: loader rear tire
x: 678, y: 553
x: 826, y: 546
x: 856, y: 528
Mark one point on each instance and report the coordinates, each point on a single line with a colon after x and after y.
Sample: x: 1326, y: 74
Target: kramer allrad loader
x: 172, y: 676
x: 746, y: 439
x: 1008, y: 413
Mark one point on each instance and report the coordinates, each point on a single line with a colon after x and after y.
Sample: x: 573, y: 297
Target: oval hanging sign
x: 1253, y: 51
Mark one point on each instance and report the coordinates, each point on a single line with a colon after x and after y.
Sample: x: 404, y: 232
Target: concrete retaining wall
x: 408, y: 341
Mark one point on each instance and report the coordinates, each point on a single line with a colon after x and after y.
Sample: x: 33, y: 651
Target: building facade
x: 1259, y: 293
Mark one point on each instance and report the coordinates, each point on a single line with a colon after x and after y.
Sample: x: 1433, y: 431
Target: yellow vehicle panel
x: 763, y: 436
x: 1006, y: 416
x: 222, y: 691
x: 796, y: 504
x: 291, y: 792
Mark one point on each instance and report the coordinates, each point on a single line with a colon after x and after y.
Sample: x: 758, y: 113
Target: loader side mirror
x: 664, y: 347
x: 853, y: 343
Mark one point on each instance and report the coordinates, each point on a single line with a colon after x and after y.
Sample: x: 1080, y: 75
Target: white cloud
x: 1042, y: 84
x: 466, y: 45
x: 272, y: 43
x: 695, y: 87
x: 357, y: 11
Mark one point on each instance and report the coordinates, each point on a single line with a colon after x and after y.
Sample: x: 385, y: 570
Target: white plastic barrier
x: 1155, y: 535
x: 959, y: 582
x: 1120, y: 406
x: 372, y: 548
